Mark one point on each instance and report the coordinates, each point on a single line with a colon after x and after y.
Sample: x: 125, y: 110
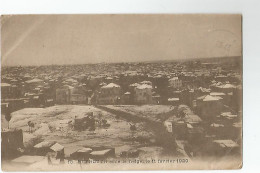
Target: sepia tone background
x: 76, y: 39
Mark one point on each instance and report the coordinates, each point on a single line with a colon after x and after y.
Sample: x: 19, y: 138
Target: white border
x: 251, y: 45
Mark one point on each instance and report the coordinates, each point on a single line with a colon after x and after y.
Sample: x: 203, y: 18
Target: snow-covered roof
x: 144, y: 86
x: 71, y: 80
x: 109, y: 78
x: 102, y: 84
x: 204, y: 89
x: 226, y: 143
x: 228, y: 115
x: 217, y: 94
x: 227, y: 86
x: 84, y: 150
x: 100, y: 153
x: 135, y: 84
x: 28, y: 159
x: 174, y: 78
x: 192, y: 118
x: 216, y: 125
x: 111, y: 85
x: 209, y: 98
x: 5, y: 85
x: 173, y: 99
x: 146, y: 82
x: 44, y: 144
x: 14, y: 80
x: 189, y: 126
x: 57, y: 147
x: 34, y: 81
x: 237, y: 124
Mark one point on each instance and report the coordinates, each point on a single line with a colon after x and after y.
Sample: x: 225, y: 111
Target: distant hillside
x: 230, y: 59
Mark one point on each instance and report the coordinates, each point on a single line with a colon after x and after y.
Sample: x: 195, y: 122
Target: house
x: 143, y: 94
x: 209, y: 106
x: 156, y: 98
x: 185, y: 123
x: 31, y: 84
x: 225, y: 88
x: 42, y: 148
x: 81, y: 154
x: 126, y: 98
x: 175, y: 83
x: 174, y: 101
x: 63, y: 94
x: 13, y: 104
x: 70, y: 82
x: 102, y: 152
x: 78, y: 95
x: 95, y: 153
x: 11, y: 142
x: 109, y: 79
x: 59, y: 150
x: 109, y: 94
x: 93, y: 81
x: 5, y: 90
x: 187, y: 97
x: 224, y: 147
x: 202, y: 91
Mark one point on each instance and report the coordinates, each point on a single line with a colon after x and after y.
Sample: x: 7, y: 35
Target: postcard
x: 121, y: 92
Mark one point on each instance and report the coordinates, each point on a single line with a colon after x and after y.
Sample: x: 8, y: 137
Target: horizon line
x: 145, y: 61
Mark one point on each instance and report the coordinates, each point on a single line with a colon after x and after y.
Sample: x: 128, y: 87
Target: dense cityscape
x: 190, y: 108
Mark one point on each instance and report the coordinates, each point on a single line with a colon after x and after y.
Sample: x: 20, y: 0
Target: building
x: 32, y: 84
x: 184, y: 123
x: 63, y: 94
x: 174, y: 101
x: 209, y: 106
x: 42, y: 148
x: 72, y: 95
x: 143, y: 94
x: 78, y: 96
x: 11, y: 143
x: 175, y: 83
x: 109, y: 94
x: 126, y: 98
x: 5, y: 90
x: 224, y: 147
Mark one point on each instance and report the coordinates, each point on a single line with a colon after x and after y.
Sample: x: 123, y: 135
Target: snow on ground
x: 154, y: 112
x: 56, y: 124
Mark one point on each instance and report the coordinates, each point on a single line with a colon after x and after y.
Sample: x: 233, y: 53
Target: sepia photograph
x: 121, y: 92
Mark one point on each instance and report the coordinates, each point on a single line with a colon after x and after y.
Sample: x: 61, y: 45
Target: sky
x: 82, y: 39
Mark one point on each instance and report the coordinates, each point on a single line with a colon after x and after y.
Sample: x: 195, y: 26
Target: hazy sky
x: 73, y: 39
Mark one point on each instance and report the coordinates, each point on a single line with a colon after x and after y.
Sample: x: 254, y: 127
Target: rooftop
x: 206, y: 98
x: 34, y: 81
x: 5, y: 85
x: 111, y: 85
x: 144, y: 86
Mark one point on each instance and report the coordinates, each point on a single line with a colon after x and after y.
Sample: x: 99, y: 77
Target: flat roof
x: 28, y: 159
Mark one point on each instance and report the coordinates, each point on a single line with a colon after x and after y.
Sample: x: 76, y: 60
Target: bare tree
x: 8, y: 117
